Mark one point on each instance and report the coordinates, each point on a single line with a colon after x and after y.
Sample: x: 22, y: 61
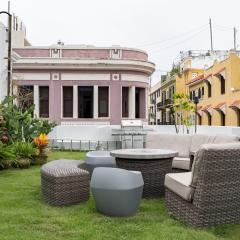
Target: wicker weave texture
x: 153, y: 172
x: 217, y: 196
x: 64, y: 184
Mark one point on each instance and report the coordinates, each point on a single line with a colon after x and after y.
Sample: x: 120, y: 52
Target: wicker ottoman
x: 64, y: 182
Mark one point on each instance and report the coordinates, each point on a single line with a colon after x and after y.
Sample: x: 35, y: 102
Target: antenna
x: 234, y: 38
x: 211, y: 37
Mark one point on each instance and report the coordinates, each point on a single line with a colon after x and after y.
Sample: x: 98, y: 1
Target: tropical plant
x: 41, y: 141
x: 6, y: 154
x: 182, y: 109
x: 23, y: 149
x: 20, y: 124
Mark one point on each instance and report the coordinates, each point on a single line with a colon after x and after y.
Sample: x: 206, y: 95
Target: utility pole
x: 9, y: 51
x: 211, y: 37
x: 234, y: 38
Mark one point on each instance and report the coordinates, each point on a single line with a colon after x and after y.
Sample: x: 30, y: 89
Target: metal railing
x: 90, y: 145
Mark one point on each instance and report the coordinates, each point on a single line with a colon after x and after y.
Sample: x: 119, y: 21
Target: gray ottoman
x: 98, y: 159
x: 117, y: 192
x: 64, y: 182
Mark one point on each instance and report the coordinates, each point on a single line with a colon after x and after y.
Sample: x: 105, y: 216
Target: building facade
x: 167, y: 91
x: 83, y: 84
x: 153, y: 100
x: 218, y: 90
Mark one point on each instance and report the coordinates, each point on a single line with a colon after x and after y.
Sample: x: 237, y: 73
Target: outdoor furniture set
x: 207, y: 195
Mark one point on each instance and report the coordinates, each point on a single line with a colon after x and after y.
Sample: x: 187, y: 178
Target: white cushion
x: 179, y: 183
x: 178, y: 142
x: 181, y: 163
x: 199, y: 139
x: 222, y: 138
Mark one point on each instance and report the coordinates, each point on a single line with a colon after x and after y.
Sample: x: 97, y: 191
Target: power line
x: 180, y: 42
x: 173, y: 37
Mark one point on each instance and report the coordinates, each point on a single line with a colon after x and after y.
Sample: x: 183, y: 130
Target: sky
x: 161, y: 27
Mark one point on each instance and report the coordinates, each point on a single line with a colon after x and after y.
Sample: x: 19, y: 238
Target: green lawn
x: 23, y: 215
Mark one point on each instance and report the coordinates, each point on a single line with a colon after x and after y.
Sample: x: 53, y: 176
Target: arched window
x: 209, y: 89
x: 222, y: 83
x: 209, y: 119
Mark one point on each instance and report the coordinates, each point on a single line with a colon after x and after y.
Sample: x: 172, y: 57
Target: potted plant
x: 41, y: 142
x: 24, y: 152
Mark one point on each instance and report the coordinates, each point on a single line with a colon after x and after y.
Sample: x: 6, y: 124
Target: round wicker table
x: 154, y: 164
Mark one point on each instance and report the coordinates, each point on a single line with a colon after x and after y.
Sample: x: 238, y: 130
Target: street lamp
x: 9, y: 49
x: 196, y: 101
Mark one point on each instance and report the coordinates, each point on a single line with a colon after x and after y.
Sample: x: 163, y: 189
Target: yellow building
x: 218, y: 90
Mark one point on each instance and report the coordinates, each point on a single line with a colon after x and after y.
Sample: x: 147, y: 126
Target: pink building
x: 84, y: 84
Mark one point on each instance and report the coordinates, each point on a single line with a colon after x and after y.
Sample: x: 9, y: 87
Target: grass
x: 23, y: 215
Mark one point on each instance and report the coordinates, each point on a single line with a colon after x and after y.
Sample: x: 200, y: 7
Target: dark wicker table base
x: 153, y: 172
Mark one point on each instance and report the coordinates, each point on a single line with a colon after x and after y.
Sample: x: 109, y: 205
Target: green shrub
x: 19, y: 124
x: 5, y: 153
x: 23, y: 149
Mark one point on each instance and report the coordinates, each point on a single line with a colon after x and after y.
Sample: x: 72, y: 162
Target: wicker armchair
x: 211, y: 194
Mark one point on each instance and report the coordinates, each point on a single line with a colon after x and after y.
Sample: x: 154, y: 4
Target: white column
x: 132, y: 102
x: 75, y: 101
x: 36, y: 100
x: 95, y: 101
x: 146, y: 103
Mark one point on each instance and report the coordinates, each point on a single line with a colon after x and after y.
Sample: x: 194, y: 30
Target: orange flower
x: 42, y: 140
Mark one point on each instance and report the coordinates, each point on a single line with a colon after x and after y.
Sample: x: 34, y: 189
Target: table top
x: 144, y: 153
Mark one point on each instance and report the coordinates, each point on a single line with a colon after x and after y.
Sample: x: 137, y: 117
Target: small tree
x: 182, y: 108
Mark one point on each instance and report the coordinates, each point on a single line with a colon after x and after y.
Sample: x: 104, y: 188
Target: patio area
x: 24, y: 215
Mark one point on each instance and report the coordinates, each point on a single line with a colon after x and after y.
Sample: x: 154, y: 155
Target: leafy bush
x: 20, y: 124
x: 5, y: 153
x: 23, y: 149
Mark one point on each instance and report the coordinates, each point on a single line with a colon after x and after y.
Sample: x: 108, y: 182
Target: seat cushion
x: 178, y: 142
x: 179, y: 183
x: 181, y: 163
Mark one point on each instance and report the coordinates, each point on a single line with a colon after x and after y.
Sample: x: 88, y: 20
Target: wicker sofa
x: 184, y: 144
x: 210, y: 194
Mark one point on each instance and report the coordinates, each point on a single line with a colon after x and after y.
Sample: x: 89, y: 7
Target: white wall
x: 3, y: 62
x: 104, y: 133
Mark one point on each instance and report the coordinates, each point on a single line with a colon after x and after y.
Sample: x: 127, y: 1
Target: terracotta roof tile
x: 235, y: 104
x: 205, y: 108
x: 220, y: 70
x: 220, y: 105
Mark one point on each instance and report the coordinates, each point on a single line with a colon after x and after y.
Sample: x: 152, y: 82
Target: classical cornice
x: 86, y: 64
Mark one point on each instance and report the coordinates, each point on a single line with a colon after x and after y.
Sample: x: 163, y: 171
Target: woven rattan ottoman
x: 64, y: 182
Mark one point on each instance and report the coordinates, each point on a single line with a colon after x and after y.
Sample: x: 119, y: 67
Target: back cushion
x: 221, y: 138
x: 199, y: 139
x: 178, y: 142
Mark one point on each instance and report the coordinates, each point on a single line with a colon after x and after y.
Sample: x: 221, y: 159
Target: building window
x: 103, y: 101
x: 238, y: 117
x: 194, y: 75
x: 44, y: 101
x: 222, y: 83
x: 125, y: 102
x: 68, y: 102
x: 25, y: 97
x: 190, y: 95
x: 199, y: 93
x: 199, y: 119
x: 202, y: 91
x: 137, y: 103
x: 209, y: 89
x: 223, y: 118
x: 85, y: 102
x: 209, y: 119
